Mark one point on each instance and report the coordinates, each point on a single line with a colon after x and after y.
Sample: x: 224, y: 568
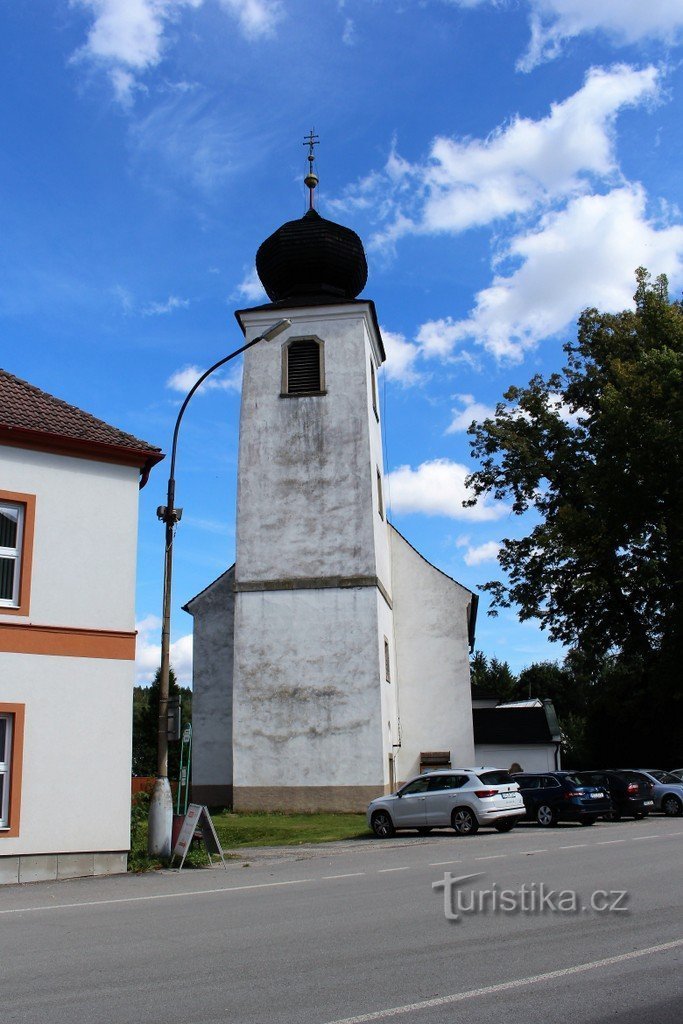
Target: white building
x: 332, y: 659
x: 68, y: 540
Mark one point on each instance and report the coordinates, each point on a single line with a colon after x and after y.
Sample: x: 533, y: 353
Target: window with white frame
x: 6, y: 724
x: 11, y: 534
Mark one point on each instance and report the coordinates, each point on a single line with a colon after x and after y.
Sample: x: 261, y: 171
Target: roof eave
x: 99, y: 451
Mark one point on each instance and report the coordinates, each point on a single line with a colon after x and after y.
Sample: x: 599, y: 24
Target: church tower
x: 313, y: 614
x: 298, y: 647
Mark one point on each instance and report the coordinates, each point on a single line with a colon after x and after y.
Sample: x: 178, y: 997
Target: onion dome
x: 312, y: 258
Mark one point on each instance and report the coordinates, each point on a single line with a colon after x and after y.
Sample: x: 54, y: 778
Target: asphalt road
x: 355, y: 932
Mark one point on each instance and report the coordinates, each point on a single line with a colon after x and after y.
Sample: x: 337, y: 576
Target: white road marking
x: 637, y: 839
x: 506, y: 986
x: 576, y: 846
x: 531, y: 851
x: 493, y: 856
x: 442, y: 863
x: 157, y: 896
x: 351, y: 874
x: 609, y: 842
x: 383, y: 871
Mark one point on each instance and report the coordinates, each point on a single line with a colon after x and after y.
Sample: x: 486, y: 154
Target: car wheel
x: 464, y: 821
x: 614, y: 815
x: 672, y: 806
x: 505, y: 826
x: 639, y: 815
x: 546, y: 815
x: 382, y: 825
x: 424, y: 830
x: 588, y: 821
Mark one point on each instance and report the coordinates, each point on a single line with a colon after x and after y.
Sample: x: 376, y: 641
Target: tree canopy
x: 146, y: 724
x: 595, y: 453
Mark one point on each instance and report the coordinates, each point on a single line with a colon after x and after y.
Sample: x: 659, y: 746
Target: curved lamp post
x: 161, y: 804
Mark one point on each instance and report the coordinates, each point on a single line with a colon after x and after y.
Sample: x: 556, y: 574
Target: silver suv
x: 462, y: 798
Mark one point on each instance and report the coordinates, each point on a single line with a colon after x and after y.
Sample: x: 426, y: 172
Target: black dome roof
x: 312, y: 257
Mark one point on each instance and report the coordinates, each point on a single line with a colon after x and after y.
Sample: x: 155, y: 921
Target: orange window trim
x: 26, y: 564
x: 17, y: 710
x: 69, y: 642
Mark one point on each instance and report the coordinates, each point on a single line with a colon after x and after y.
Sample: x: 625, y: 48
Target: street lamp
x: 161, y: 803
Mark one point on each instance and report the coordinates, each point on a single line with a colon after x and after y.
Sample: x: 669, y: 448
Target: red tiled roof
x: 26, y: 411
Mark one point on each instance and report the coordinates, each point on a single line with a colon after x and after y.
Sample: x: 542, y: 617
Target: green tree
x: 492, y: 677
x: 596, y: 452
x: 146, y: 721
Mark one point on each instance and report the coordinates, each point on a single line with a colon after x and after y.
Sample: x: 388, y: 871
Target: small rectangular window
x: 303, y: 367
x: 387, y: 661
x: 6, y: 723
x: 380, y: 500
x: 11, y: 537
x: 373, y: 388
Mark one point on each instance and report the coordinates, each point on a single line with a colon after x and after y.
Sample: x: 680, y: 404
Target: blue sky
x: 506, y: 162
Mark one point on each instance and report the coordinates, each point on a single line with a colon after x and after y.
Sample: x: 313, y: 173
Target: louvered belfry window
x: 303, y: 368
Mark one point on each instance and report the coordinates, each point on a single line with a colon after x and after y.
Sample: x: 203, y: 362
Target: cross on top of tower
x: 311, y: 180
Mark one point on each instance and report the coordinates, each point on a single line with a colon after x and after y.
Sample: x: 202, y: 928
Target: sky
x: 507, y: 164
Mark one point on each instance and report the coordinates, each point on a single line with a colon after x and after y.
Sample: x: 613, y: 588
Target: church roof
x: 32, y: 418
x: 312, y: 256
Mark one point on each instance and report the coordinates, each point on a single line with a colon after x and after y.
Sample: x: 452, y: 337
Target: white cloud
x: 256, y: 17
x: 349, y: 33
x: 471, y: 410
x: 552, y: 22
x: 437, y: 488
x: 193, y: 135
x: 584, y: 255
x: 148, y: 653
x: 250, y: 288
x: 162, y: 308
x: 401, y: 357
x: 625, y: 22
x: 519, y: 168
x: 128, y: 37
x: 486, y: 552
x: 182, y: 380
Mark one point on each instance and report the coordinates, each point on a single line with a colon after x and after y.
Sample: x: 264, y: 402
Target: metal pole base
x: 160, y: 819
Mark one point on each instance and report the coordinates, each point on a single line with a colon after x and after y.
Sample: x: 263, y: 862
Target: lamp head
x: 276, y: 329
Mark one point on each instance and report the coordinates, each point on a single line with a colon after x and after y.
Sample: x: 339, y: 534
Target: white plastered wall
x: 531, y: 758
x: 85, y: 544
x: 75, y: 794
x: 430, y: 625
x: 213, y: 612
x: 78, y: 711
x: 306, y: 698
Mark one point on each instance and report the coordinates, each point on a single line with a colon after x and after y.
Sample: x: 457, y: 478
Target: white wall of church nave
x: 307, y: 706
x: 430, y: 622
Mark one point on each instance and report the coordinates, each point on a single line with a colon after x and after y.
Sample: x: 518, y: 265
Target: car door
x: 409, y: 807
x: 441, y: 798
x: 529, y: 788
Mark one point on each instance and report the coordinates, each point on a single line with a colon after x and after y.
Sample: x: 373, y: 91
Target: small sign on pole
x: 197, y: 818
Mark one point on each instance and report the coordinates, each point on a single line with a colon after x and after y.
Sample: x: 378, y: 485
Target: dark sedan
x: 630, y: 792
x: 562, y: 796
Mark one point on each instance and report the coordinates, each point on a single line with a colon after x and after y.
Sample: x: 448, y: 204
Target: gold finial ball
x: 311, y: 180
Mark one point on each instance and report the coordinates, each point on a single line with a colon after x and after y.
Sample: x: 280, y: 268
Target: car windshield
x: 665, y: 777
x: 577, y: 779
x: 583, y: 779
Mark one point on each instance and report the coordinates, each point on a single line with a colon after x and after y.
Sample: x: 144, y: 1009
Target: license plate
x: 597, y: 796
x: 508, y: 796
x: 648, y: 803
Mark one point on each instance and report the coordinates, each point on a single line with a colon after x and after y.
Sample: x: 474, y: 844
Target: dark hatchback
x: 630, y: 792
x: 562, y: 796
